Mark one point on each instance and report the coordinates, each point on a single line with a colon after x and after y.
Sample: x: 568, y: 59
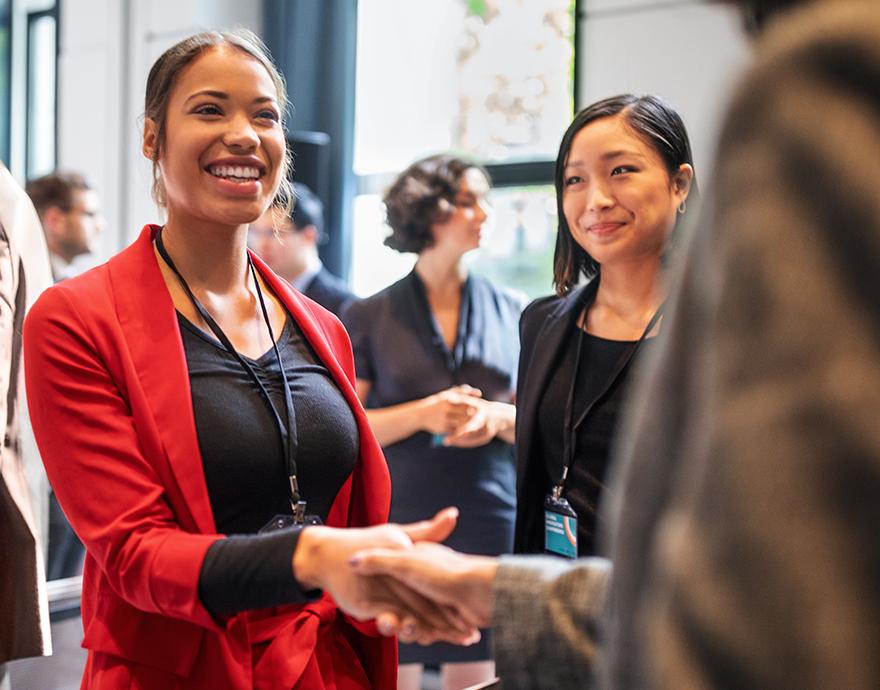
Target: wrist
x: 307, y: 559
x: 504, y: 416
x: 477, y: 581
x: 423, y: 412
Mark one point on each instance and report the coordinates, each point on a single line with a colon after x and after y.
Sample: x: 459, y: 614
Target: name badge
x: 280, y: 522
x: 560, y: 528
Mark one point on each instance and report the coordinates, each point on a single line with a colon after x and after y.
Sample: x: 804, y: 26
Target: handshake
x: 401, y: 576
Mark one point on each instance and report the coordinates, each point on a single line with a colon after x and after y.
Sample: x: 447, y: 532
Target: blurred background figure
x: 70, y: 213
x: 435, y: 360
x: 289, y: 244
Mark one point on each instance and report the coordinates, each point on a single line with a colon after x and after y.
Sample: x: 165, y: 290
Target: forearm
x: 252, y: 571
x: 397, y: 422
x: 546, y: 617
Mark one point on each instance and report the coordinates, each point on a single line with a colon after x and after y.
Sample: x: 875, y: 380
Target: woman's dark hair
x: 659, y: 125
x: 167, y: 68
x: 421, y: 196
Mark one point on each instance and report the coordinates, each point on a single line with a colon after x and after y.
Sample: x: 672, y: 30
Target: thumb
x: 469, y: 390
x: 436, y: 529
x: 379, y: 562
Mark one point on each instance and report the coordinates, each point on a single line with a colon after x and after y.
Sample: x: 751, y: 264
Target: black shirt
x: 595, y: 389
x: 244, y: 470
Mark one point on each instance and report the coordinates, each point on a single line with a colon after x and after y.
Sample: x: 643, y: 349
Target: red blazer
x: 109, y: 399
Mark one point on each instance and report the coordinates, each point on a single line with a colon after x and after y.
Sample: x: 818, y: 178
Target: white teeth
x: 239, y: 171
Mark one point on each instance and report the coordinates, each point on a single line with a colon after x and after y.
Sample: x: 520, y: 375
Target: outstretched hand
x: 321, y: 560
x: 441, y: 576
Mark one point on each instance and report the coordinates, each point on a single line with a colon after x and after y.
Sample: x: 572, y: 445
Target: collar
x: 304, y: 279
x: 61, y: 269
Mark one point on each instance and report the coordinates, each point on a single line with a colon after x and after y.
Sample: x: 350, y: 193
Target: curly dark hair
x: 422, y: 196
x: 658, y: 124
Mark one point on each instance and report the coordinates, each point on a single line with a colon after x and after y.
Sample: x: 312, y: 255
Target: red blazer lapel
x: 149, y: 323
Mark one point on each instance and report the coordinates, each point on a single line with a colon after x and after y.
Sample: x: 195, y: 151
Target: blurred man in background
x: 289, y: 244
x: 70, y: 213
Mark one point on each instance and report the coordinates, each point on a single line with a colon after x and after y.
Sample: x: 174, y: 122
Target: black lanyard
x: 286, y: 432
x: 570, y: 426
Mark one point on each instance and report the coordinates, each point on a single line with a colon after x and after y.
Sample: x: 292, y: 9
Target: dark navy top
x: 400, y: 350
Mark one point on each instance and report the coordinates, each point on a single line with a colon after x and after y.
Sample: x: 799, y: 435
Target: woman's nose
x: 599, y: 198
x: 241, y: 134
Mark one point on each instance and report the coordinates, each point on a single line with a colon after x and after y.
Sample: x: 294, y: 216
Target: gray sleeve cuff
x: 546, y: 621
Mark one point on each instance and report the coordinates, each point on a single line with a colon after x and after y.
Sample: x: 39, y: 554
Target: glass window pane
x: 516, y: 251
x: 492, y: 79
x: 41, y: 96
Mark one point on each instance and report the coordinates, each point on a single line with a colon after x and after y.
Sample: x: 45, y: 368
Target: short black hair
x: 421, y: 196
x: 56, y: 189
x: 307, y: 209
x: 659, y: 125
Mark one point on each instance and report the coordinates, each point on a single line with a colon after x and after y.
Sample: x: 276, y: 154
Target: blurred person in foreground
x: 744, y: 529
x: 288, y: 242
x: 24, y: 610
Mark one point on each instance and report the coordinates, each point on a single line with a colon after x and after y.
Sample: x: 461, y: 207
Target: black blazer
x: 544, y: 328
x: 329, y: 291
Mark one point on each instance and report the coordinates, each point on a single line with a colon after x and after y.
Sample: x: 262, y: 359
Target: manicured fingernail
x: 354, y: 561
x: 408, y: 630
x: 385, y: 628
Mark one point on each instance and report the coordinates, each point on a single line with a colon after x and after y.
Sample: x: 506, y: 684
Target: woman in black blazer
x: 623, y: 175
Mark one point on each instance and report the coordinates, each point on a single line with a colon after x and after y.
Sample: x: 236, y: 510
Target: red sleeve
x: 106, y: 482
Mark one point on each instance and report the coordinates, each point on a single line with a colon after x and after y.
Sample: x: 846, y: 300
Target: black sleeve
x: 245, y: 572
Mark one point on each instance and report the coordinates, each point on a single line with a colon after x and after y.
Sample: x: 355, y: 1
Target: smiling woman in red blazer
x: 183, y: 396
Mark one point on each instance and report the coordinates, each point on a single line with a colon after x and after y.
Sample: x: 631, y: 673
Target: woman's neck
x: 441, y: 273
x: 629, y: 294
x: 210, y: 258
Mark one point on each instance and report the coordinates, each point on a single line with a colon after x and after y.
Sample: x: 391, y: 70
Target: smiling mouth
x: 604, y: 228
x: 235, y: 173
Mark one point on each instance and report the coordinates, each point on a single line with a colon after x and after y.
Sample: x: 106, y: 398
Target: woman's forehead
x: 607, y: 138
x: 222, y: 68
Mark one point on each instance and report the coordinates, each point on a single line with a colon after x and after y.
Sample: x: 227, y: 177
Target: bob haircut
x: 422, y: 196
x: 167, y: 68
x: 655, y: 122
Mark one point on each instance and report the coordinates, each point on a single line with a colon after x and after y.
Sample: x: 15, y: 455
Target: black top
x: 594, y: 435
x: 548, y: 329
x: 244, y: 470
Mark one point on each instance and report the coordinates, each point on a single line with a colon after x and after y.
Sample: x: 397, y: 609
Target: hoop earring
x: 682, y: 207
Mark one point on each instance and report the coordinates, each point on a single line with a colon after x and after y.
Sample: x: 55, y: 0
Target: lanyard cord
x: 288, y: 439
x: 569, y: 426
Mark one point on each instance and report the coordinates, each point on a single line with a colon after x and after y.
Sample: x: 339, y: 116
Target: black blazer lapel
x: 538, y: 355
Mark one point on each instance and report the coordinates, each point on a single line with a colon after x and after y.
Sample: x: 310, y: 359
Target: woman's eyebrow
x: 222, y: 95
